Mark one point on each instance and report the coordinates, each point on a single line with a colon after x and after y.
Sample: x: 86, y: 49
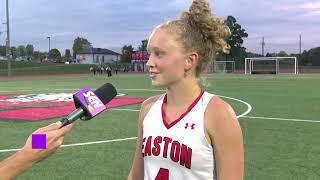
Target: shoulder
x: 218, y: 108
x: 220, y: 117
x: 147, y: 104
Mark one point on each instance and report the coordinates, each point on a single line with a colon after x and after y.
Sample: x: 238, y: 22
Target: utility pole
x: 49, y: 43
x: 48, y: 37
x: 299, y: 59
x: 300, y: 44
x: 262, y: 44
x: 8, y: 41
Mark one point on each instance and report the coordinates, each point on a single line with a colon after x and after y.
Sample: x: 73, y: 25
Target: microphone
x: 84, y: 110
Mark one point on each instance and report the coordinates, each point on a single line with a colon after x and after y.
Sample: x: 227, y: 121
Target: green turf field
x: 284, y: 148
x: 21, y: 68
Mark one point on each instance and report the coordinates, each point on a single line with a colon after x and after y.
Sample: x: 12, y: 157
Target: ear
x: 191, y: 61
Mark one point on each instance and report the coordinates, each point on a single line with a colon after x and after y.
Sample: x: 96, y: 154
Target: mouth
x: 153, y: 74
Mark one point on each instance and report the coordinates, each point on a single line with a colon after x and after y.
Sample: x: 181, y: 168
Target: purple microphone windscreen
x: 106, y: 93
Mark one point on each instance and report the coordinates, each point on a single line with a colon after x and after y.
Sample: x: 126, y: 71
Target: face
x: 166, y: 63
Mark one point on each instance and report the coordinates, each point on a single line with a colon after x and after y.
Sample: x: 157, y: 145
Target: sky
x: 113, y: 23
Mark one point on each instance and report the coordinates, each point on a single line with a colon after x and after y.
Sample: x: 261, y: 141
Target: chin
x: 157, y: 84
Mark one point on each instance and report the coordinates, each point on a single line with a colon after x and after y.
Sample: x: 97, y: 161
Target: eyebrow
x: 155, y: 49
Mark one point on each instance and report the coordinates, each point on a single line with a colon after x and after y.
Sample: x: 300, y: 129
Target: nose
x: 150, y: 63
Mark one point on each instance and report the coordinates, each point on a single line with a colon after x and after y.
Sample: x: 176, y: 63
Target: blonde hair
x: 199, y: 31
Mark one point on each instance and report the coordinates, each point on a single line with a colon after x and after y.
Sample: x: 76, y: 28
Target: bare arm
x: 226, y: 138
x: 26, y: 157
x: 14, y: 166
x: 136, y: 172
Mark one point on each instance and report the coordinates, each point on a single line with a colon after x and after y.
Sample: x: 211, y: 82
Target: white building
x: 97, y: 56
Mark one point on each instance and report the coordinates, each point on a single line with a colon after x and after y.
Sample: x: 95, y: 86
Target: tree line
x: 19, y: 51
x: 27, y: 52
x: 237, y: 51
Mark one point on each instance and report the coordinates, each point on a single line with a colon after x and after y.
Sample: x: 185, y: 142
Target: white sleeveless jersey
x: 179, y: 150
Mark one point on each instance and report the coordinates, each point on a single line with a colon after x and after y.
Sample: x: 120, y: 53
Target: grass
x: 274, y: 149
x: 19, y: 68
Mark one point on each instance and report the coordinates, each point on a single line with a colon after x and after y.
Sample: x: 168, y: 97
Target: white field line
x: 132, y: 138
x: 123, y: 109
x: 80, y: 144
x: 250, y: 117
x: 283, y: 119
x: 133, y: 110
x: 243, y: 115
x: 249, y: 107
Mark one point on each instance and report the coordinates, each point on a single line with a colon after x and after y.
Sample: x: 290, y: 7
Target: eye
x: 158, y: 54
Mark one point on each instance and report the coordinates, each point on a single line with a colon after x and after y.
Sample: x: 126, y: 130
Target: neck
x: 183, y: 92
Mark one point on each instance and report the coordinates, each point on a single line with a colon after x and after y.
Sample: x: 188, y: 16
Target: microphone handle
x: 64, y: 122
x: 76, y: 114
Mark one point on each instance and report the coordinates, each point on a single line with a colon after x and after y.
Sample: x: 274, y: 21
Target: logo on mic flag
x: 89, y: 101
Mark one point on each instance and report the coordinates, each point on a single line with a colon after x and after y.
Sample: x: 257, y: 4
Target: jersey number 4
x: 163, y: 174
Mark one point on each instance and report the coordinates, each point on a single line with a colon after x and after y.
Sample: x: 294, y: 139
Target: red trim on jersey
x: 164, y: 118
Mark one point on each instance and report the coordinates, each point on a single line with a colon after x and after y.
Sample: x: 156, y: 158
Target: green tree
x: 304, y: 59
x: 80, y: 44
x: 236, y: 39
x: 311, y: 57
x: 2, y: 50
x: 250, y: 55
x: 39, y: 56
x: 36, y: 55
x: 143, y: 46
x: 282, y: 54
x: 14, y: 52
x: 67, y: 55
x: 126, y: 53
x: 21, y: 51
x: 55, y: 55
x: 29, y: 50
